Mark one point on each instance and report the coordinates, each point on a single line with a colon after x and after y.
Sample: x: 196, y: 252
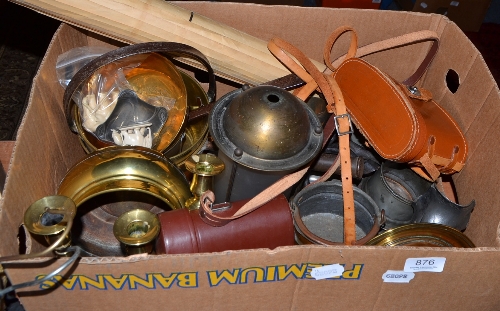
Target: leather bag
x: 402, y: 122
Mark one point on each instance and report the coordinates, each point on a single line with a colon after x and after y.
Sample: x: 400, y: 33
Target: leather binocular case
x: 184, y: 231
x: 402, y: 123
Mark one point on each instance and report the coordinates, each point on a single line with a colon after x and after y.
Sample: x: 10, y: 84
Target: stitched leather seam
x: 414, y: 139
x: 384, y: 79
x: 456, y: 127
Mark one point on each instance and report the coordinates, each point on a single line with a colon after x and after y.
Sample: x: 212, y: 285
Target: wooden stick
x: 233, y: 54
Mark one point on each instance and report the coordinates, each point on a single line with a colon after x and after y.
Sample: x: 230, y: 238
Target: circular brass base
x: 420, y: 234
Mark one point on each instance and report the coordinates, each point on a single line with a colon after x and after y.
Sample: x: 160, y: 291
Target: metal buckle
x: 345, y: 115
x: 414, y: 90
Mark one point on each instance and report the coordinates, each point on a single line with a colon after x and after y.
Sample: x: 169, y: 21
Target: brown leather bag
x: 184, y: 231
x: 403, y: 123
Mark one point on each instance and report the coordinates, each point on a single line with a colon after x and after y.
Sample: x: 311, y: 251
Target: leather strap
x: 335, y: 104
x: 341, y: 122
x: 379, y: 46
x: 172, y: 49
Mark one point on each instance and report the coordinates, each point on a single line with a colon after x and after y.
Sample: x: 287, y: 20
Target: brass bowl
x: 422, y: 234
x: 185, y: 144
x: 126, y: 168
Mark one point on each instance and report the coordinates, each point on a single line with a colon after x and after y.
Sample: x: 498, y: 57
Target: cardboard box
x: 270, y: 2
x: 467, y: 14
x: 5, y: 155
x: 358, y: 4
x: 274, y: 279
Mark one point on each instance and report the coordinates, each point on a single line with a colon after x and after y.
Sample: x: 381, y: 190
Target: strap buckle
x: 345, y: 115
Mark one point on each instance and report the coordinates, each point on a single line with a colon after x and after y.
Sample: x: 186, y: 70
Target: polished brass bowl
x: 195, y: 132
x: 125, y: 168
x: 186, y: 142
x: 422, y: 234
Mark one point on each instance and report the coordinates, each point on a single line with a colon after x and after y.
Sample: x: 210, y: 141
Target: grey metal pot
x: 394, y: 187
x: 318, y: 215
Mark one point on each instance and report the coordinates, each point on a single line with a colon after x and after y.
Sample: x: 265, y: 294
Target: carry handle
x: 379, y: 46
x: 304, y: 69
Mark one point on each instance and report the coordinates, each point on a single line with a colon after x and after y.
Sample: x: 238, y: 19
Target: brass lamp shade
x: 124, y: 168
x: 266, y: 128
x: 262, y: 134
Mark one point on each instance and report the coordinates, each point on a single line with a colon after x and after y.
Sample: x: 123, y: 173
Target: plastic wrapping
x: 126, y: 102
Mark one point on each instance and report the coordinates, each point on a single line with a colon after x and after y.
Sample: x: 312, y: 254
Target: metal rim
x: 422, y: 234
x: 126, y: 168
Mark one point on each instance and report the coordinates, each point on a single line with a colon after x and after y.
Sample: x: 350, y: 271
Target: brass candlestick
x: 137, y: 231
x: 204, y: 167
x: 51, y: 217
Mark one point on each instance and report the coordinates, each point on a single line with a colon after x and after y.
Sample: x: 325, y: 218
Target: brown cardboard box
x: 274, y: 279
x: 358, y: 4
x: 5, y: 155
x: 270, y: 2
x: 467, y: 14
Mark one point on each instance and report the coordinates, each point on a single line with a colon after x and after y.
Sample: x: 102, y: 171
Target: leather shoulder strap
x: 379, y: 46
x: 304, y: 68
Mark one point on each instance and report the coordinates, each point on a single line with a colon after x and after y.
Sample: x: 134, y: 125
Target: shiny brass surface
x: 203, y: 167
x: 196, y: 132
x: 137, y: 231
x: 265, y: 128
x: 157, y: 77
x: 41, y: 218
x: 267, y: 123
x: 420, y: 234
x: 124, y: 168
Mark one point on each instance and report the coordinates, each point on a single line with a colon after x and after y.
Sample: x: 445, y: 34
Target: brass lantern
x: 262, y: 134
